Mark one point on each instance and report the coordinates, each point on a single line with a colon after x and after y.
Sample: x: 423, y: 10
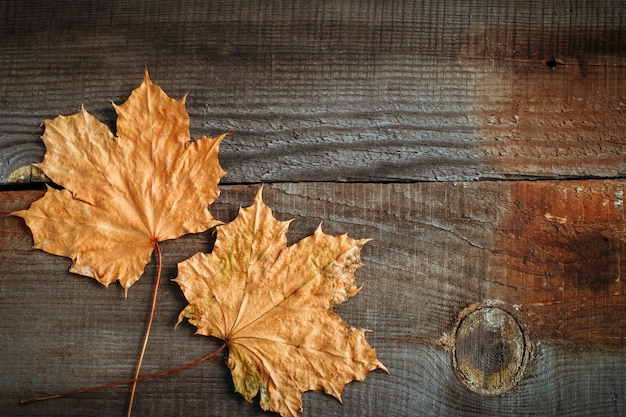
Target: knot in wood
x: 491, y: 349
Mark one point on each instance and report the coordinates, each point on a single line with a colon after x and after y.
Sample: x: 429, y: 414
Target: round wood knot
x: 491, y: 350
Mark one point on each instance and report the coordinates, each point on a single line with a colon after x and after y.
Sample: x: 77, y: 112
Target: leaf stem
x: 128, y: 381
x: 149, y: 326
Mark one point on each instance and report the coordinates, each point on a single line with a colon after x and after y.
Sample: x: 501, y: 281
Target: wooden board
x: 336, y: 91
x: 548, y: 253
x: 485, y: 298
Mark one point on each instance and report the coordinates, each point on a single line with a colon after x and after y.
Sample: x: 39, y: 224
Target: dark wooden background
x: 480, y: 143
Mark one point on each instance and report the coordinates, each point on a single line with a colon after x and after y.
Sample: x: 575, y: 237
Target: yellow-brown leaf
x: 121, y: 194
x: 272, y: 304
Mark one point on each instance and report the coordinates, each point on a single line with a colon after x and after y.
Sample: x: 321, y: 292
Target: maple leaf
x: 272, y: 305
x: 123, y: 194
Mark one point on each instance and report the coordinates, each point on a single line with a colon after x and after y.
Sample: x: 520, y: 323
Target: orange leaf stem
x: 128, y: 381
x: 147, y: 335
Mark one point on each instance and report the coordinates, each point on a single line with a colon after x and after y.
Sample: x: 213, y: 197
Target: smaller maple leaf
x: 272, y: 305
x: 122, y: 194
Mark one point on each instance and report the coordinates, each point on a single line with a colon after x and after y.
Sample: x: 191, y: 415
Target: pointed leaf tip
x: 146, y: 76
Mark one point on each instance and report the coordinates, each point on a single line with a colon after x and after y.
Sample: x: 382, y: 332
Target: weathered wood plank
x: 550, y: 252
x: 330, y: 91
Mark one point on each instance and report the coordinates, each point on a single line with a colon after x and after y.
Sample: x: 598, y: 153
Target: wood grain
x: 438, y: 248
x: 337, y: 91
x: 353, y: 112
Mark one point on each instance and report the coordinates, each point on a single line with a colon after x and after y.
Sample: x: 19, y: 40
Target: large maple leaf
x: 123, y: 194
x: 272, y: 305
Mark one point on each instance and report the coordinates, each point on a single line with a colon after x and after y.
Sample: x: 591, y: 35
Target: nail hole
x: 552, y: 63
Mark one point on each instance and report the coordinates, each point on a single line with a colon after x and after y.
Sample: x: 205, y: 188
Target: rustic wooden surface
x: 437, y: 248
x: 414, y: 103
x: 344, y: 90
